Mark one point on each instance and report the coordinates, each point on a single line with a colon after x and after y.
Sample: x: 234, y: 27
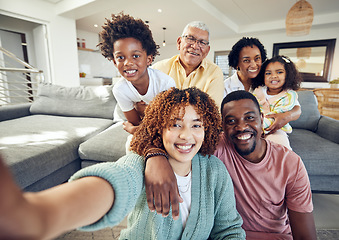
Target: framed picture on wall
x: 312, y: 58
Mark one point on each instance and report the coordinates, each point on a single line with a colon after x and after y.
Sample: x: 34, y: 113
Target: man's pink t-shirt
x: 264, y: 191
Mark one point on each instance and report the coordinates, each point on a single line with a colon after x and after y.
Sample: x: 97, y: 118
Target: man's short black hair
x: 238, y: 95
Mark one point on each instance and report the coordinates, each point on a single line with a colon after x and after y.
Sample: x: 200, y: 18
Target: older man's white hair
x: 196, y: 24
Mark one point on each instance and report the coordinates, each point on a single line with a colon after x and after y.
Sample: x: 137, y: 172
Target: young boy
x: 129, y: 43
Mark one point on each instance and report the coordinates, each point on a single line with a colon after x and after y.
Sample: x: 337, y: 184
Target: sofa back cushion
x: 310, y: 115
x: 97, y: 102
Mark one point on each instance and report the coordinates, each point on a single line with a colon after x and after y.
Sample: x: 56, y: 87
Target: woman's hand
x: 161, y: 187
x: 49, y: 213
x: 281, y: 119
x: 18, y: 219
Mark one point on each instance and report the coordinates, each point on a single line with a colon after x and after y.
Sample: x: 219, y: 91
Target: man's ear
x: 179, y: 42
x: 262, y: 134
x: 209, y: 48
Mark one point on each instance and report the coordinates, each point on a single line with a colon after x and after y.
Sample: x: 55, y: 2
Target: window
x: 221, y: 59
x: 15, y: 84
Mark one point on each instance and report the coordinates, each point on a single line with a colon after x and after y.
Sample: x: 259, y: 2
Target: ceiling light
x: 159, y: 10
x: 299, y: 19
x: 164, y: 42
x: 96, y: 25
x: 304, y: 52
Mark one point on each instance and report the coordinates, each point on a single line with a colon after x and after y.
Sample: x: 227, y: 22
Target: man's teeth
x: 184, y: 147
x: 244, y: 137
x: 130, y: 71
x: 196, y: 54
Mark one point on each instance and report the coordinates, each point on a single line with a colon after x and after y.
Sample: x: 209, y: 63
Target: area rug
x: 328, y: 234
x: 114, y: 233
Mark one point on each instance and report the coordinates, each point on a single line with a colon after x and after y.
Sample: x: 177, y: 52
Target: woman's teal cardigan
x: 213, y: 212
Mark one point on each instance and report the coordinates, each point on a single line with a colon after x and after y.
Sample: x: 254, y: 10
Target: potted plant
x: 334, y: 83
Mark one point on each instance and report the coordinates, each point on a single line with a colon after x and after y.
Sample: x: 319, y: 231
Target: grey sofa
x: 66, y: 129
x: 40, y: 141
x: 315, y: 139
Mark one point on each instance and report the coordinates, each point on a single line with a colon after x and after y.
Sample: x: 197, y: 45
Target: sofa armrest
x: 328, y: 128
x: 109, y: 145
x: 14, y: 111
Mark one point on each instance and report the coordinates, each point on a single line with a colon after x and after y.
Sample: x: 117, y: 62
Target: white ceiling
x: 225, y: 18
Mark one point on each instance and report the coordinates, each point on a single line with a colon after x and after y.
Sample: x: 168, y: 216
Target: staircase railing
x: 17, y: 84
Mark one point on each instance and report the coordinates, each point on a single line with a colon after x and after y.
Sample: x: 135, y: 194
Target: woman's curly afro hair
x: 233, y: 57
x: 292, y: 79
x: 124, y: 26
x: 163, y: 111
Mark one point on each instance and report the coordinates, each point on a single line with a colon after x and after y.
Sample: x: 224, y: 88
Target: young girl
x: 185, y: 124
x: 275, y: 88
x: 129, y: 43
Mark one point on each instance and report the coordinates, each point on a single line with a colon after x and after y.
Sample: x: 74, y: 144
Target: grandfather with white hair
x: 190, y: 67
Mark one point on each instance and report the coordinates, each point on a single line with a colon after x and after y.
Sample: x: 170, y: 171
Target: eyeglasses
x: 192, y: 40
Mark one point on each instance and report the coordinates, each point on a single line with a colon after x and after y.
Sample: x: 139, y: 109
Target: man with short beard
x: 271, y: 185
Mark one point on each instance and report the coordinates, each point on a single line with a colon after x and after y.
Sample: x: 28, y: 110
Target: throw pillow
x: 81, y: 101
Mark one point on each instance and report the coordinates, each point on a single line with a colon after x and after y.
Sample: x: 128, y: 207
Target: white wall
x: 93, y: 63
x: 166, y: 52
x: 63, y: 50
x: 61, y: 34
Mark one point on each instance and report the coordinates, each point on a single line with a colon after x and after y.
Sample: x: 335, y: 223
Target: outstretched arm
x: 161, y: 187
x: 47, y: 214
x: 302, y: 225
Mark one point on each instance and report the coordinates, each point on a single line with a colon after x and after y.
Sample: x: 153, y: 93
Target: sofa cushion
x: 37, y: 145
x: 80, y: 101
x: 309, y: 111
x: 108, y: 145
x: 318, y: 154
x: 329, y: 128
x: 8, y: 112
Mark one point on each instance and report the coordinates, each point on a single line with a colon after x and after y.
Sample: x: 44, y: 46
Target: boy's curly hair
x: 125, y: 26
x: 233, y: 57
x: 163, y: 111
x: 293, y: 77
